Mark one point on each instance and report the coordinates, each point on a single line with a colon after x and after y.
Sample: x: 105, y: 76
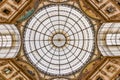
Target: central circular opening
x: 59, y: 40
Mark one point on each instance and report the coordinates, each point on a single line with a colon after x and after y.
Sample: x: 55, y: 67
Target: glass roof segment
x: 109, y: 39
x: 10, y: 41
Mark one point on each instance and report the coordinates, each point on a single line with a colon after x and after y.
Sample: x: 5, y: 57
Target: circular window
x: 59, y: 40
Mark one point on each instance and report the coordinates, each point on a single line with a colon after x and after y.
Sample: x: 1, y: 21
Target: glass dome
x: 59, y: 40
